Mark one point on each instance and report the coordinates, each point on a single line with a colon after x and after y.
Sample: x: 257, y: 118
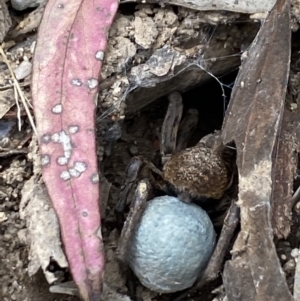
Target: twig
x: 24, y: 99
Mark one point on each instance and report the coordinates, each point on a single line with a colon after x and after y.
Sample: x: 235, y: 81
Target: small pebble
x: 11, y: 229
x: 297, y: 207
x: 15, y: 284
x: 23, y: 236
x: 6, y: 237
x: 23, y: 70
x: 295, y: 253
x: 283, y: 256
x: 13, y: 297
x: 294, y: 106
x: 289, y: 266
x: 3, y: 217
x: 133, y: 150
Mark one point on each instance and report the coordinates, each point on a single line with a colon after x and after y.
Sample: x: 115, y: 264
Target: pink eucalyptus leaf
x: 68, y: 57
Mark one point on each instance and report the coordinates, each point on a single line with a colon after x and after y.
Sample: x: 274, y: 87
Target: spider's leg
x: 187, y: 128
x: 138, y: 205
x: 137, y: 208
x: 213, y: 140
x: 215, y: 263
x: 170, y: 126
x: 131, y: 178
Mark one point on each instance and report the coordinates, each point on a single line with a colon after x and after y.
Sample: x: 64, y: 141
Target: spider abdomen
x: 198, y: 171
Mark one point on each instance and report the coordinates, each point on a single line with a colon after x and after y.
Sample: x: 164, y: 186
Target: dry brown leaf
x: 253, y: 121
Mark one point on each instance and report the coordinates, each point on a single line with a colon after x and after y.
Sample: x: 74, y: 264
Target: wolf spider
x: 206, y: 170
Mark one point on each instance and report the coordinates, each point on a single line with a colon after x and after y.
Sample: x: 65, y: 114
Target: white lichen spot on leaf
x: 92, y: 83
x: 84, y: 214
x: 78, y: 169
x: 63, y: 138
x: 55, y: 137
x: 80, y: 166
x: 74, y: 173
x: 45, y: 160
x: 62, y: 160
x: 57, y: 109
x: 73, y: 129
x: 65, y: 175
x: 76, y: 82
x: 99, y: 55
x: 95, y: 178
x: 46, y: 138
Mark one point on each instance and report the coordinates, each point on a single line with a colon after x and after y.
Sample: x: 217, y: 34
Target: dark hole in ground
x: 210, y: 103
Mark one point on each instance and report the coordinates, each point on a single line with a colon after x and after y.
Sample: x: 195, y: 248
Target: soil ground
x: 139, y: 137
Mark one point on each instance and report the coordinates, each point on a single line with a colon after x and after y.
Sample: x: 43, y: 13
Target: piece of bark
x: 285, y: 158
x: 253, y: 121
x: 42, y: 230
x: 5, y: 20
x: 244, y: 6
x: 7, y: 101
x: 29, y: 24
x: 68, y: 57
